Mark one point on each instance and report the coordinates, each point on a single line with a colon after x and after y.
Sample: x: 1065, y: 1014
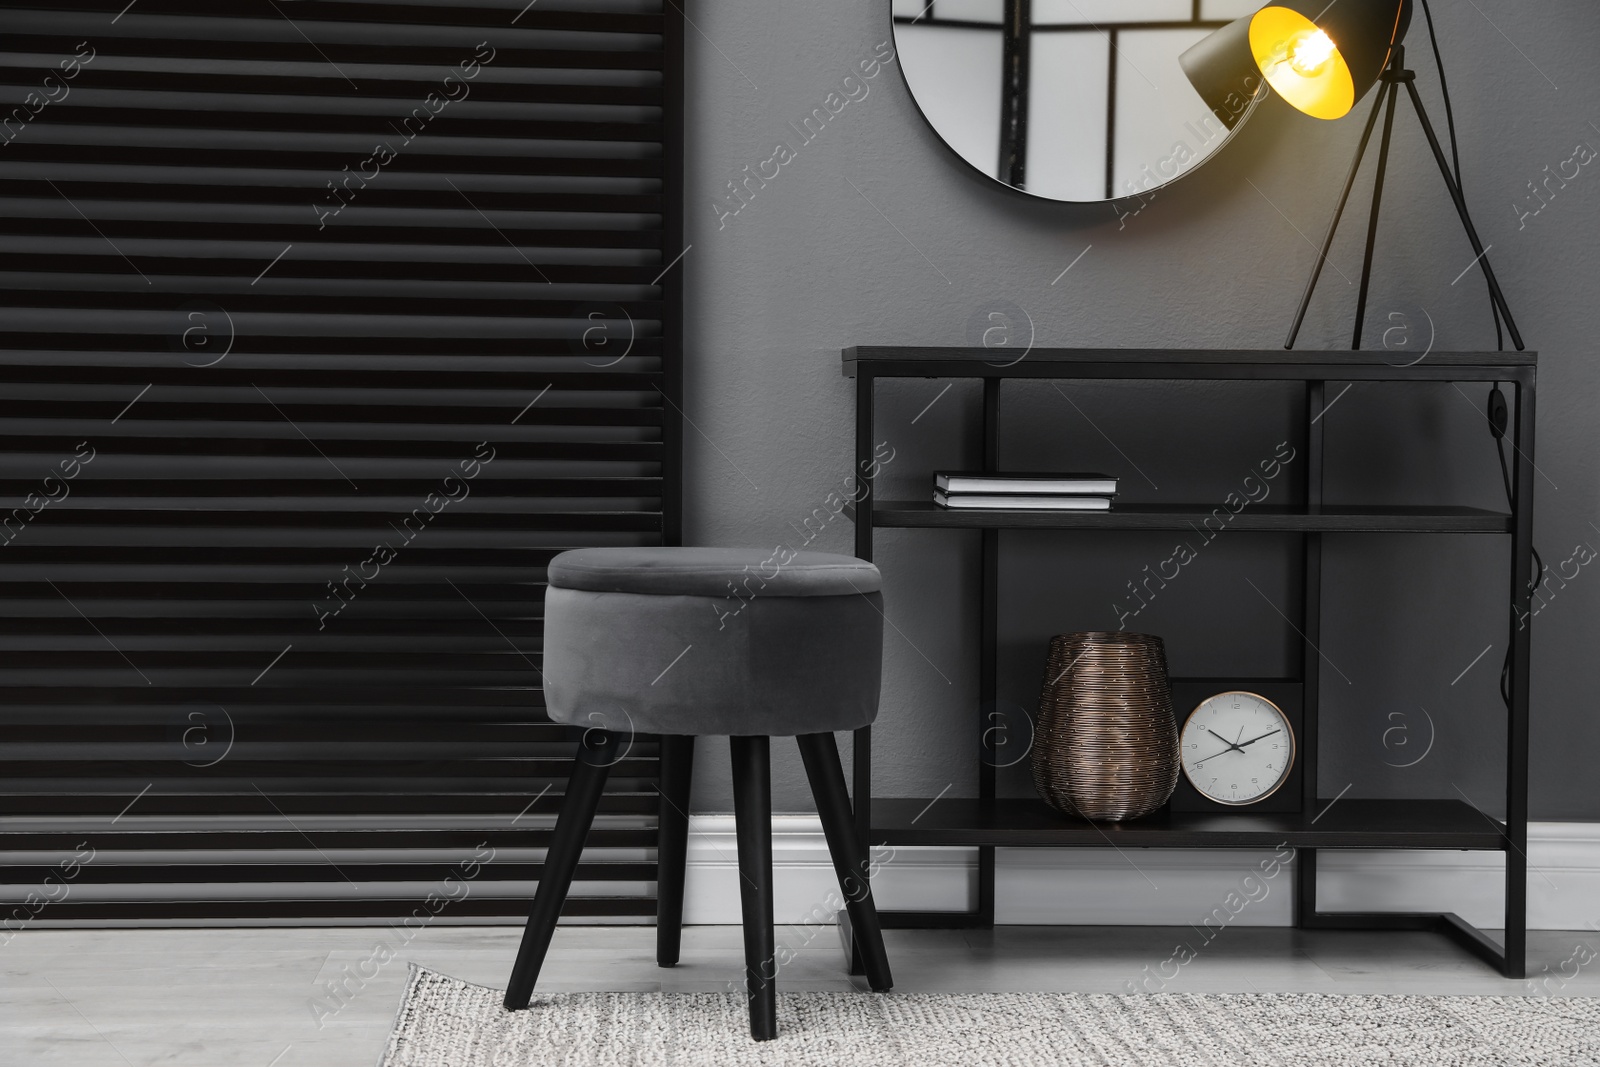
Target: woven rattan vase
x: 1106, y: 742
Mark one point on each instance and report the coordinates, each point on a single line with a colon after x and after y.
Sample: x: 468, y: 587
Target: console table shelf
x: 1326, y: 519
x: 987, y: 821
x: 1418, y: 824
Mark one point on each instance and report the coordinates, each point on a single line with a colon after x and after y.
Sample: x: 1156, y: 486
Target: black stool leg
x: 596, y: 753
x: 821, y: 756
x: 752, y: 808
x: 672, y: 845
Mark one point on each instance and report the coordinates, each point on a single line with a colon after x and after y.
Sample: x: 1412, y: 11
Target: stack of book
x: 1032, y: 492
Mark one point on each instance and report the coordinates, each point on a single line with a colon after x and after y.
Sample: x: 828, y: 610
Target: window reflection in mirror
x: 1079, y: 100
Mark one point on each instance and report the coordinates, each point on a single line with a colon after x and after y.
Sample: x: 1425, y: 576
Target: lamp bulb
x: 1310, y: 52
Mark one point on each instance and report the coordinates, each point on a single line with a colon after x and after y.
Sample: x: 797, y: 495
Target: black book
x: 1019, y: 502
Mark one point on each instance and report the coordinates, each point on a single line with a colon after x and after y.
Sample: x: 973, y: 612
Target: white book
x: 1026, y: 484
x: 1023, y: 503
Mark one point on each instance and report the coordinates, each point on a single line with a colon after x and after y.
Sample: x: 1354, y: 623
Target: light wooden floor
x: 221, y: 997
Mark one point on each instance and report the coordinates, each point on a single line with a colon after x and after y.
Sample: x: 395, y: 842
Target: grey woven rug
x: 447, y: 1023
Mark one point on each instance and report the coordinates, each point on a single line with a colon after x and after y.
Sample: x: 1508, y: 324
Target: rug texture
x: 443, y: 1022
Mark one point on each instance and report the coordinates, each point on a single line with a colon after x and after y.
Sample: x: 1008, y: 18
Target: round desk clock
x: 1237, y: 748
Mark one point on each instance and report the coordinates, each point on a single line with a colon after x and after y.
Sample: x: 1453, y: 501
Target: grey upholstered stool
x: 687, y: 641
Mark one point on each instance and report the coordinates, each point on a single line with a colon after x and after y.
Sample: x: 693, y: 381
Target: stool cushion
x: 737, y: 659
x: 713, y: 572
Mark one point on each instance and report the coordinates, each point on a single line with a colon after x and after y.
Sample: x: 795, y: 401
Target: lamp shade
x: 1321, y: 57
x: 1223, y: 70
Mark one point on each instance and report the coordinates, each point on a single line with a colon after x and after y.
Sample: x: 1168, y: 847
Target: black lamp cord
x: 1499, y: 422
x: 1499, y: 412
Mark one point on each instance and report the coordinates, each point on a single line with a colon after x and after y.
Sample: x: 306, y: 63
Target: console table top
x: 961, y: 361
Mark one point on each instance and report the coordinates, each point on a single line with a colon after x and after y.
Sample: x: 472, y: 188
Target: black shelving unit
x: 987, y: 821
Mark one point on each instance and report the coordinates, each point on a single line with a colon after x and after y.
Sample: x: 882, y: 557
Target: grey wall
x: 876, y: 234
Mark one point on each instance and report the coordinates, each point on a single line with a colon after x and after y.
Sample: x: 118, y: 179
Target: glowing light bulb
x: 1310, y: 52
x: 1301, y: 62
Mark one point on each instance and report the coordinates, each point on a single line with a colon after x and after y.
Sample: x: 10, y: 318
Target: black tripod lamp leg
x: 1466, y: 218
x: 1333, y: 227
x: 1392, y: 93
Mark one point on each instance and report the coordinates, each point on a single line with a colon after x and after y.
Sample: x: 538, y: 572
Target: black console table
x: 987, y: 821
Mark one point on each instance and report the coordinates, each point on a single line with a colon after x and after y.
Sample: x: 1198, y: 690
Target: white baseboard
x: 1152, y: 887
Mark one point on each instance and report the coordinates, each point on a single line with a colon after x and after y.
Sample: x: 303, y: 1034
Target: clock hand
x: 1224, y: 740
x: 1253, y: 740
x: 1213, y: 756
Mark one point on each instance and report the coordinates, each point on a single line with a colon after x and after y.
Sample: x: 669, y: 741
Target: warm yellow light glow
x: 1310, y: 52
x: 1302, y: 63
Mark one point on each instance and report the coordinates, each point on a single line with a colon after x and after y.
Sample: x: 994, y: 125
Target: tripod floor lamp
x: 1322, y: 58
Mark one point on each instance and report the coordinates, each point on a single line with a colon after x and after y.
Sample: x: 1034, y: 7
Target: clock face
x: 1237, y: 748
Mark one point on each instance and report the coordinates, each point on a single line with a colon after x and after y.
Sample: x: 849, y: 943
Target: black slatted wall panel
x: 323, y: 326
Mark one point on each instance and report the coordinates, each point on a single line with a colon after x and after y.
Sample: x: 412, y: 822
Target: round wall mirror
x: 1077, y: 100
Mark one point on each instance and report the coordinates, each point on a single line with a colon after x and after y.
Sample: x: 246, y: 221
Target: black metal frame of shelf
x: 987, y: 822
